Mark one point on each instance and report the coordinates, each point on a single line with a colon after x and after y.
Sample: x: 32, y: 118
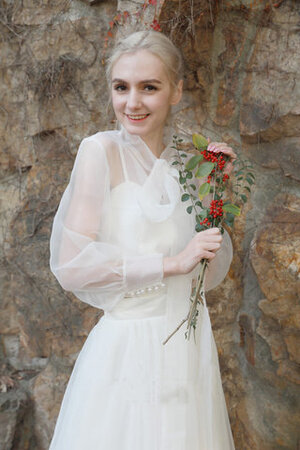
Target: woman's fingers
x: 204, y: 244
x: 213, y: 230
x: 210, y: 246
x: 208, y: 255
x: 210, y: 234
x: 209, y: 240
x: 218, y: 147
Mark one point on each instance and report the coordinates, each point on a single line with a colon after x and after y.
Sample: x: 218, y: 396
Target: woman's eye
x: 120, y: 87
x: 150, y: 87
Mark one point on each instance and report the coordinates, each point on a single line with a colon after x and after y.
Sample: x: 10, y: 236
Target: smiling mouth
x: 137, y: 117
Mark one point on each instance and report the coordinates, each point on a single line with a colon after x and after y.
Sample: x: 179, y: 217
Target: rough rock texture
x: 241, y: 86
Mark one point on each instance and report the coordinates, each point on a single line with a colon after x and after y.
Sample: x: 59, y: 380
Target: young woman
x: 123, y: 242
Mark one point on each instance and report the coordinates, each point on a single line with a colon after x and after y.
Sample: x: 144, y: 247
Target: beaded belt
x: 146, y: 290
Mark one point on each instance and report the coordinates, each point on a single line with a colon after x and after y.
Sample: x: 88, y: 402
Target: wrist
x: 170, y: 266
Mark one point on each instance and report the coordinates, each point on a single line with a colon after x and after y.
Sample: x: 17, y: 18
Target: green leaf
x: 247, y: 188
x: 189, y: 175
x: 193, y: 162
x: 230, y: 224
x: 205, y: 169
x: 174, y: 163
x: 249, y: 180
x: 232, y: 209
x: 182, y: 180
x: 183, y: 155
x: 203, y: 214
x: 185, y: 197
x: 198, y: 203
x: 189, y: 209
x: 240, y: 171
x: 199, y: 141
x: 193, y: 187
x: 199, y: 227
x: 229, y: 219
x: 244, y: 198
x: 203, y: 190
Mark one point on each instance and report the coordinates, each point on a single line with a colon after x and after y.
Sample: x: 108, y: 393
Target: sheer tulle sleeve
x: 82, y: 258
x: 219, y: 266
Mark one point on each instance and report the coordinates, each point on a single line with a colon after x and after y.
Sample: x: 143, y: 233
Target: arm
x: 82, y: 259
x: 207, y: 244
x: 204, y: 244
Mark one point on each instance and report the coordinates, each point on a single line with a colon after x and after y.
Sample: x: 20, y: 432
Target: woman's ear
x: 177, y: 93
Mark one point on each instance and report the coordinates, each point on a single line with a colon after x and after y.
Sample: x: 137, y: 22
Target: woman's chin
x: 136, y: 128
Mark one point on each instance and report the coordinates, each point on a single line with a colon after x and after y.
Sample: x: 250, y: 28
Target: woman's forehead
x: 140, y: 65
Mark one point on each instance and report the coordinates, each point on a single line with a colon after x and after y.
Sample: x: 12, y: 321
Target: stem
x: 186, y: 185
x: 193, y: 307
x: 214, y: 193
x: 176, y: 329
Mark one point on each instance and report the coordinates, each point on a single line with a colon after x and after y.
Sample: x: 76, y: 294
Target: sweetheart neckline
x: 126, y: 182
x: 158, y: 161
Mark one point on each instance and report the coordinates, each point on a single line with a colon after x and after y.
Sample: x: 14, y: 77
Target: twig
x: 176, y: 329
x: 193, y: 308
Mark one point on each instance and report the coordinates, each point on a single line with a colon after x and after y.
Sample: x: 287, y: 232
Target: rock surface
x: 242, y: 87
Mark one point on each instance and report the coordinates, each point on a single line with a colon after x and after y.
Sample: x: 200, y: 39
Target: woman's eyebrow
x: 153, y: 80
x: 118, y: 80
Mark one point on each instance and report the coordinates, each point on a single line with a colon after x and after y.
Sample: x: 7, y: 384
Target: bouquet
x: 208, y: 167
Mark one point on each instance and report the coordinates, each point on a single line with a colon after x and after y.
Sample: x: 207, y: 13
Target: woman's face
x: 142, y: 94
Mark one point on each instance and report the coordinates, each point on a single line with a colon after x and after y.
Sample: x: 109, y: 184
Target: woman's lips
x: 137, y: 117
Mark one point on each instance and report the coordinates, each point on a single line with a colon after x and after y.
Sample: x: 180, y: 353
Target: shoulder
x: 104, y: 139
x: 100, y: 150
x: 102, y: 143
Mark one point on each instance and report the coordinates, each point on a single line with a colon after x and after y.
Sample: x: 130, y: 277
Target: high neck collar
x: 136, y: 140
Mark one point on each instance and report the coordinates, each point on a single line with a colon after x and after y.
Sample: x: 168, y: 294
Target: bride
x: 123, y: 242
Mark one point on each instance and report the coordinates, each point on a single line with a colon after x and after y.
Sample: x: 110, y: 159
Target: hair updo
x: 156, y: 43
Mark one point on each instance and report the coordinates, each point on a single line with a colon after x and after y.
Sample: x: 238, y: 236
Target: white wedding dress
x: 119, y: 216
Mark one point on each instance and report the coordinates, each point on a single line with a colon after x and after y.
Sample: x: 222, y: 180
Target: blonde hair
x: 156, y: 43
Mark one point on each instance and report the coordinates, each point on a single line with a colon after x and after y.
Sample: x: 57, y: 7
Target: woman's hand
x: 218, y: 147
x: 203, y: 245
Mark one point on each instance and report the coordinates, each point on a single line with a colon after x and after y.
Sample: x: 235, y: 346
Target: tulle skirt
x: 114, y: 398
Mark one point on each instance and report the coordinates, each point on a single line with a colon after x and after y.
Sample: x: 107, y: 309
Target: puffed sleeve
x: 81, y: 256
x: 219, y: 266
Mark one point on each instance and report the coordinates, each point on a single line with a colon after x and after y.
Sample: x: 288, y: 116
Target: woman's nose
x: 133, y: 99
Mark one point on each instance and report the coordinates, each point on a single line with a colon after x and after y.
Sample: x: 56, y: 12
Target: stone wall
x: 241, y: 86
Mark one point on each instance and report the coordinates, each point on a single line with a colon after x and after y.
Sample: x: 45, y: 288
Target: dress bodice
x: 133, y: 230
x: 137, y: 232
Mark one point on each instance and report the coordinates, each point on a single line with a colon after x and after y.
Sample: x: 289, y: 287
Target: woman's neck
x: 155, y: 144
